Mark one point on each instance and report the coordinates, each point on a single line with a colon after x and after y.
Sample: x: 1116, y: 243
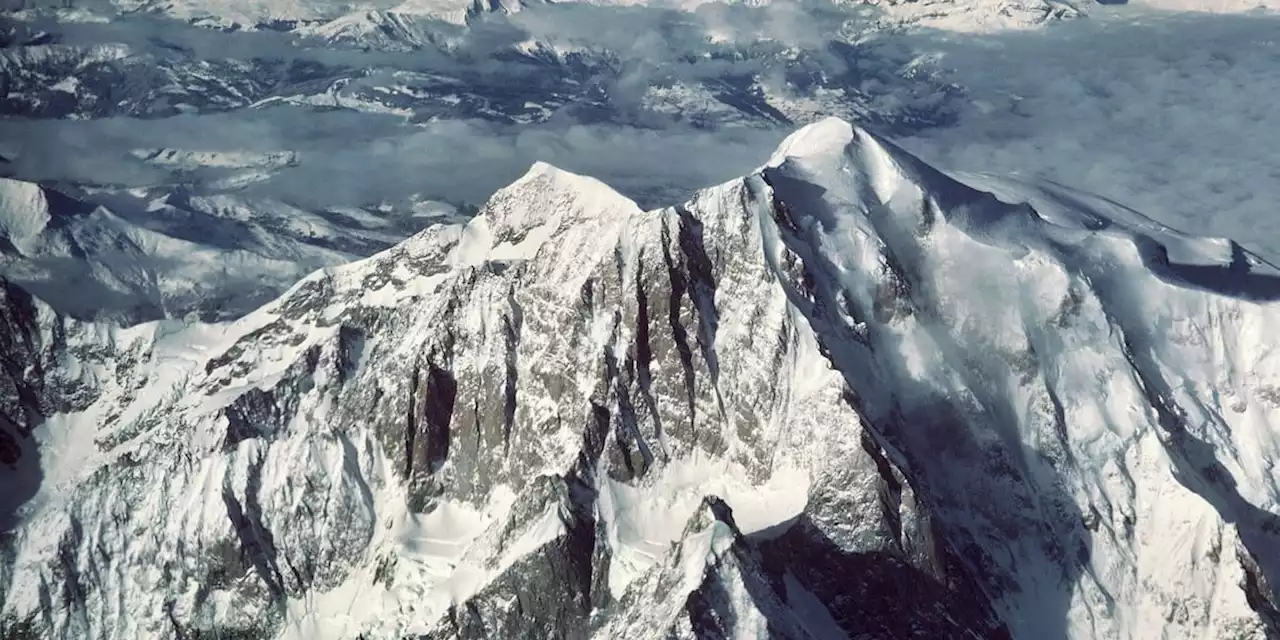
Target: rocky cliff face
x: 844, y: 396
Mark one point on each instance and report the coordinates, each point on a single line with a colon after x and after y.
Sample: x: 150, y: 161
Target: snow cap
x: 828, y: 136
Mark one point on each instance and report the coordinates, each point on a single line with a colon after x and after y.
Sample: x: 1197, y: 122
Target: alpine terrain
x: 845, y: 396
x: 174, y: 253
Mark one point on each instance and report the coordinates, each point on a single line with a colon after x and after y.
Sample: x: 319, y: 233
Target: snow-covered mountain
x: 843, y: 396
x: 173, y: 253
x: 968, y: 15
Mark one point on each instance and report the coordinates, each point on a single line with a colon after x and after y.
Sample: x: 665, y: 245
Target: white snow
x: 823, y: 138
x: 1018, y: 359
x: 24, y: 212
x: 68, y: 84
x: 194, y: 159
x: 644, y: 521
x: 549, y: 201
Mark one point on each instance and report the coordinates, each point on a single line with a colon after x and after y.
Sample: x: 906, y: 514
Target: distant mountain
x: 463, y: 59
x: 843, y: 396
x: 174, y: 254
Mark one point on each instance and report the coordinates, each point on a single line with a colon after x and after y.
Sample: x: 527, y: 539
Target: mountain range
x: 846, y: 395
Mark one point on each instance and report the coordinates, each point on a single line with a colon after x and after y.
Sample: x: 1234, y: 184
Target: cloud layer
x: 1172, y: 114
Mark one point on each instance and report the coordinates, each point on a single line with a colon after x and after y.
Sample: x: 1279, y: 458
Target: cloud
x: 350, y: 158
x: 615, y: 56
x: 465, y: 161
x: 1173, y: 115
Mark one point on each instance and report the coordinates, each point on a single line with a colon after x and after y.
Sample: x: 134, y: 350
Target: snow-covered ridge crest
x: 845, y: 159
x: 827, y: 137
x: 545, y: 202
x: 844, y: 396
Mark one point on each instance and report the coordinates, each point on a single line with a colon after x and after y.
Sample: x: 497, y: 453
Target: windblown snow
x: 846, y: 395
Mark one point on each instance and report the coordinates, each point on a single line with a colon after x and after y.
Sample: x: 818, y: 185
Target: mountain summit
x: 843, y: 396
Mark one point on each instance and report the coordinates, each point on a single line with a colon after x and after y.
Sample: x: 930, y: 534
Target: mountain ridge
x: 136, y: 256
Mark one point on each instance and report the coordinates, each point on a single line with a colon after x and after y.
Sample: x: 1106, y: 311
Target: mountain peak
x: 544, y: 202
x: 822, y: 138
x: 562, y: 178
x: 843, y: 158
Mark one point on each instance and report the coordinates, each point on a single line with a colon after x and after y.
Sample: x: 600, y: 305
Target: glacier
x: 846, y: 395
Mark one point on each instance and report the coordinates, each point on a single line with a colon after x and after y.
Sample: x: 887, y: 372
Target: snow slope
x: 844, y: 395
